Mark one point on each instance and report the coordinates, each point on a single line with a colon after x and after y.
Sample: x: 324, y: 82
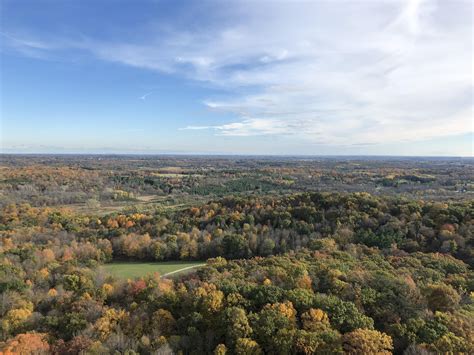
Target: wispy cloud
x: 143, y: 97
x: 24, y: 43
x: 252, y: 127
x: 30, y: 48
x: 331, y: 72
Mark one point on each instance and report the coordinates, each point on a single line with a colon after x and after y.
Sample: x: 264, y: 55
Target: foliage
x: 310, y: 272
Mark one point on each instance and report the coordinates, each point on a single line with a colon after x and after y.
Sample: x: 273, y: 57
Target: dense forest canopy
x: 290, y: 268
x: 111, y: 180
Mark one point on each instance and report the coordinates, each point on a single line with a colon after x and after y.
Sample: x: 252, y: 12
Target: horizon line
x: 243, y: 155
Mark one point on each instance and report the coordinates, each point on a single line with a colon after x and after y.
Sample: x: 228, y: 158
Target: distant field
x: 141, y: 202
x: 130, y: 270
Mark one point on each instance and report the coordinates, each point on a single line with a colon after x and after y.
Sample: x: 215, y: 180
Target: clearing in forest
x: 131, y: 270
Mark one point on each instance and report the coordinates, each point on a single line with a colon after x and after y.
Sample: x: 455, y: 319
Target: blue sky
x: 237, y: 77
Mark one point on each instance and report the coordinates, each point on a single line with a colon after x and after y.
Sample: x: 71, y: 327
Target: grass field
x: 141, y: 202
x: 131, y: 270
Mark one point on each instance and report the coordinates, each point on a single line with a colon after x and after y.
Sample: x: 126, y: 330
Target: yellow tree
x: 366, y: 341
x: 314, y: 319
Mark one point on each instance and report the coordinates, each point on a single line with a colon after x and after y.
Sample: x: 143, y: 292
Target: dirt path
x: 183, y: 269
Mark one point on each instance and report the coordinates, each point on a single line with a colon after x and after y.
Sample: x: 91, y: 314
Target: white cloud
x: 331, y: 72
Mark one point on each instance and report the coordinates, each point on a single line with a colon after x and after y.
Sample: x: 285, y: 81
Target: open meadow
x: 132, y: 270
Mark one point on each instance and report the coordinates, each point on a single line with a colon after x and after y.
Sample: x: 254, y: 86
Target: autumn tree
x: 366, y: 341
x: 442, y: 297
x: 26, y: 343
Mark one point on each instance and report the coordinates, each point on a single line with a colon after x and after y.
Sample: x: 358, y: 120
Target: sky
x: 316, y: 77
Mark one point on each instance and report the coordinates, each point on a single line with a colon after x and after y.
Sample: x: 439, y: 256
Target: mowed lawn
x: 131, y: 270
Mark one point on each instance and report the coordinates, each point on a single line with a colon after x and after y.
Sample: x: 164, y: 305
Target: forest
x: 302, y: 256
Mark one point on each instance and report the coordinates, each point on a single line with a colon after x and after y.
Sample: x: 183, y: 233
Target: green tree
x: 246, y: 346
x: 236, y: 325
x: 235, y: 246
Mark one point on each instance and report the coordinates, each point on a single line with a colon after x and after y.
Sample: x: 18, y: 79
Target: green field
x: 131, y: 270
